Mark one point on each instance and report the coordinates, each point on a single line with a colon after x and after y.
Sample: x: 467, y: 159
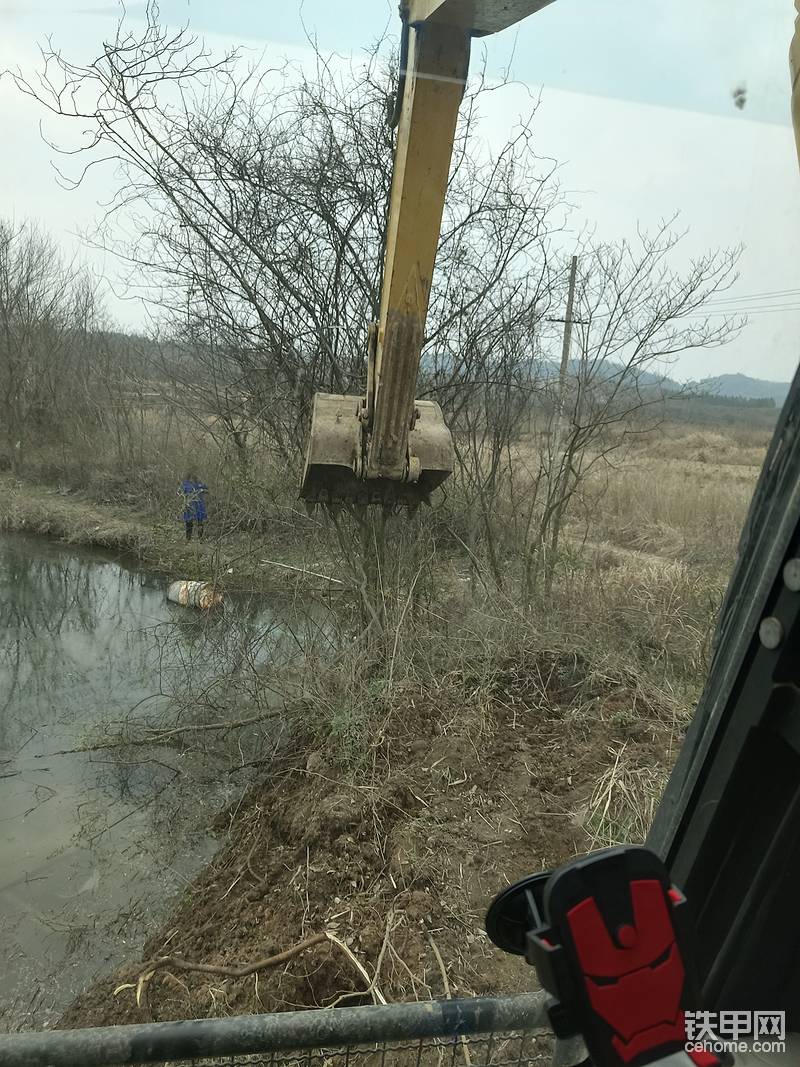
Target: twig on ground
x: 448, y: 993
x: 302, y: 570
x: 440, y: 963
x: 246, y: 969
x: 390, y: 926
x: 232, y: 970
x: 414, y: 979
x: 377, y: 996
x: 160, y: 737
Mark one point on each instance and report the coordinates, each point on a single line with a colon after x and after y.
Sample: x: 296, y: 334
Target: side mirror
x: 515, y: 911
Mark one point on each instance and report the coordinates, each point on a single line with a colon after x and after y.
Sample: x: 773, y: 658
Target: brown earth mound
x: 470, y: 790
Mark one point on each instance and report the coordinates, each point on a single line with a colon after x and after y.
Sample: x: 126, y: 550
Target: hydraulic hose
x: 394, y: 118
x: 794, y: 67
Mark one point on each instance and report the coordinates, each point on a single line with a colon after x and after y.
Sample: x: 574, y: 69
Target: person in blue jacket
x: 194, y: 505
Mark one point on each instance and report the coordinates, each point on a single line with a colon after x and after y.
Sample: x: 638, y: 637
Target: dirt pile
x: 474, y: 787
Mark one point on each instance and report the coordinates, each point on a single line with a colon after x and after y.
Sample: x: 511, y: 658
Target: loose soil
x: 466, y: 792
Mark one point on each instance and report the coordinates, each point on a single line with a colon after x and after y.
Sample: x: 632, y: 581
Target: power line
x: 702, y: 312
x: 745, y: 297
x: 747, y: 311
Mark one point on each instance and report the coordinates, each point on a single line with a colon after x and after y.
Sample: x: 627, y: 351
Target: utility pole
x: 565, y: 349
x: 557, y: 478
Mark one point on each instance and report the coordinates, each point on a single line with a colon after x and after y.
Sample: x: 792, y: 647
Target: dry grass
x: 624, y: 801
x: 75, y: 520
x: 740, y: 448
x: 675, y: 508
x: 472, y: 735
x: 682, y: 495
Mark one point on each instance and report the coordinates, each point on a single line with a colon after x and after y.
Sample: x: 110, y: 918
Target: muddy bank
x: 469, y: 787
x: 156, y: 541
x: 70, y: 517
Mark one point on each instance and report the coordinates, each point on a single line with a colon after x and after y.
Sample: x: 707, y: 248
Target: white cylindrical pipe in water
x: 194, y: 594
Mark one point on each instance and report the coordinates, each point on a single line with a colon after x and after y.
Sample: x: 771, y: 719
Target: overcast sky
x: 636, y: 103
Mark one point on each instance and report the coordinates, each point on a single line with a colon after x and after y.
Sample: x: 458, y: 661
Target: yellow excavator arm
x: 387, y: 446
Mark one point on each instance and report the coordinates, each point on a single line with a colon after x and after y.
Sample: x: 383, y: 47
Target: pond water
x: 93, y: 847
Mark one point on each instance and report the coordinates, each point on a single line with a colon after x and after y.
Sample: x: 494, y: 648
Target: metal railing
x: 478, y: 1032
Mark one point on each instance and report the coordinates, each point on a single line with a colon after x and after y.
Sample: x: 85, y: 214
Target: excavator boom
x: 386, y: 446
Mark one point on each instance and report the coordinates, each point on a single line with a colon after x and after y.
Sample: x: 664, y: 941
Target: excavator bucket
x: 334, y: 462
x: 334, y: 467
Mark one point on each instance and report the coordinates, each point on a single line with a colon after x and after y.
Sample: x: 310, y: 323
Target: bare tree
x: 635, y: 310
x: 635, y: 314
x: 48, y: 315
x: 258, y: 200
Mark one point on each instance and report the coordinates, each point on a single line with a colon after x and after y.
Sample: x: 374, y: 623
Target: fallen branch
x: 246, y: 969
x: 232, y: 970
x: 158, y: 736
x: 302, y: 570
x: 161, y: 737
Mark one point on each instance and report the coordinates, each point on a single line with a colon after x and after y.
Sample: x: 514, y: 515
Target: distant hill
x: 741, y: 385
x: 737, y: 386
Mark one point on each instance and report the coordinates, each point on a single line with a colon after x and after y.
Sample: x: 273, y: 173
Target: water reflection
x: 90, y: 847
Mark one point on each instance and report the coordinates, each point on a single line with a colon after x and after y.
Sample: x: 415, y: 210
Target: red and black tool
x: 610, y: 938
